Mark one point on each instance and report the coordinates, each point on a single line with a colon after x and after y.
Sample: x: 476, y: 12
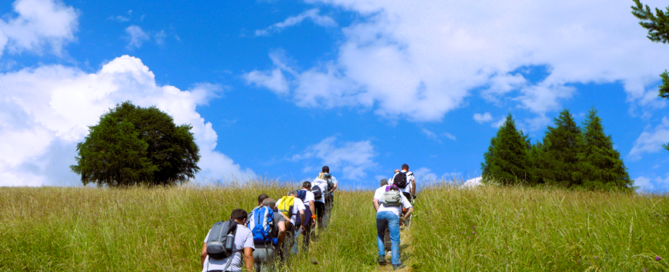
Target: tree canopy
x: 133, y: 145
x: 568, y: 156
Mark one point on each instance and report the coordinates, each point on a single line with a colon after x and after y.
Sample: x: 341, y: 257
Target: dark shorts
x: 320, y: 208
x: 307, y: 216
x: 407, y: 195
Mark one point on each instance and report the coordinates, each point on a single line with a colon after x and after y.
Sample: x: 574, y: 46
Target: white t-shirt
x: 243, y: 239
x: 298, y: 205
x: 323, y: 184
x: 410, y: 178
x: 378, y: 194
x: 308, y: 197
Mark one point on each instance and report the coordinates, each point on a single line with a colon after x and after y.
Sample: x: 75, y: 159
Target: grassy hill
x: 486, y: 229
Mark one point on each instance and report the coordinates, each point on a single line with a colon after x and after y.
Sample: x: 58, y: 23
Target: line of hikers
x: 265, y: 237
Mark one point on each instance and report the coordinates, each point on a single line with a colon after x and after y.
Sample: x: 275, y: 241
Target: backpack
x: 318, y: 194
x: 286, y: 206
x: 329, y: 180
x: 302, y: 195
x: 220, y: 244
x: 400, y: 180
x: 261, y: 223
x: 392, y: 198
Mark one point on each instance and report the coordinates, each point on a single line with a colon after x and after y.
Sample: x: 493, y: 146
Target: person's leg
x: 257, y: 259
x: 381, y: 226
x: 320, y: 208
x: 394, y: 227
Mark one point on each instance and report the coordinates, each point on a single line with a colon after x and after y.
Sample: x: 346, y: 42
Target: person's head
x: 239, y: 215
x: 384, y: 182
x: 292, y: 193
x: 262, y: 197
x: 326, y: 169
x: 268, y: 202
x: 306, y: 185
x: 405, y: 167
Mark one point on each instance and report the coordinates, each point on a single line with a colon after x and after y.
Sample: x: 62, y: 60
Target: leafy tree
x: 600, y: 165
x: 562, y: 144
x: 658, y: 31
x: 506, y: 160
x: 134, y: 145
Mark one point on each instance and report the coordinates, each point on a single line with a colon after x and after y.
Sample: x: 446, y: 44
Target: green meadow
x: 483, y: 229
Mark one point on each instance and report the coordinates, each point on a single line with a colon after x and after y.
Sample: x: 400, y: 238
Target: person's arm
x: 282, y: 232
x: 408, y: 213
x: 248, y: 258
x: 376, y: 204
x: 312, y: 208
x: 203, y: 255
x: 302, y: 219
x: 413, y: 186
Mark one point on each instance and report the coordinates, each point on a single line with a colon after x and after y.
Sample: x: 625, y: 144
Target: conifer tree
x: 506, y: 160
x: 562, y: 145
x: 600, y: 166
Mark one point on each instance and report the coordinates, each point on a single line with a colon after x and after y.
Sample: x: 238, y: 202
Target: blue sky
x: 280, y: 88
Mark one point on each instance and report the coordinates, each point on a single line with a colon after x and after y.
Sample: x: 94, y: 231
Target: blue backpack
x: 261, y: 223
x: 302, y: 195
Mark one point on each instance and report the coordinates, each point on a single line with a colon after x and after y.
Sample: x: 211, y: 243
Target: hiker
x: 319, y: 189
x: 241, y: 247
x: 307, y: 198
x: 269, y: 231
x: 332, y: 185
x: 380, y: 191
x: 406, y: 181
x: 292, y: 209
x: 388, y: 203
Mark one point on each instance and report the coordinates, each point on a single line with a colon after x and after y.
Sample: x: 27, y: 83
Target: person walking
x: 264, y: 255
x: 242, y: 247
x: 388, y: 203
x: 405, y: 181
x: 332, y: 186
x: 292, y: 209
x: 319, y: 189
x: 307, y: 198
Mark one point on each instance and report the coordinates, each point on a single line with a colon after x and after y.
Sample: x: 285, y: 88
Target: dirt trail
x: 406, y: 253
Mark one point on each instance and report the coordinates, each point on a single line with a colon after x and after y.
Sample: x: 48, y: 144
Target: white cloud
x: 425, y: 174
x: 321, y: 20
x: 450, y: 136
x: 482, y: 118
x: 499, y: 123
x: 160, y: 37
x: 38, y: 23
x: 351, y: 159
x: 421, y: 60
x: 431, y: 135
x: 651, y: 141
x: 46, y: 111
x: 657, y: 184
x: 136, y: 36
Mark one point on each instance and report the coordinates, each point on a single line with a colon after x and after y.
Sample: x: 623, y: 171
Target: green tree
x: 134, y: 145
x: 506, y: 160
x: 658, y: 31
x: 562, y: 144
x: 600, y: 166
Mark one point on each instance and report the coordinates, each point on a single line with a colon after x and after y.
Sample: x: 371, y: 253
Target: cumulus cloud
x: 482, y: 118
x: 353, y: 159
x: 422, y: 60
x: 36, y: 25
x: 136, y: 36
x: 651, y: 140
x: 312, y: 14
x: 656, y: 184
x: 46, y: 111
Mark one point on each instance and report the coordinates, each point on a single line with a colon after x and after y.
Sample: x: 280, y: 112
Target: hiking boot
x: 398, y: 266
x: 382, y: 260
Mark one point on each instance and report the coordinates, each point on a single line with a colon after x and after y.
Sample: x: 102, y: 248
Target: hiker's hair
x: 405, y: 166
x: 384, y: 182
x: 393, y: 188
x: 325, y: 169
x: 268, y: 202
x: 262, y: 197
x: 238, y: 214
x: 306, y: 184
x: 292, y: 193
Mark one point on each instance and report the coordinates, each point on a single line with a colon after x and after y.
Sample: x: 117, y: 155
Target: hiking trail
x: 406, y: 253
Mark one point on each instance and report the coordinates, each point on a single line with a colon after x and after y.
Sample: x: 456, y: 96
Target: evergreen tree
x: 562, y: 144
x: 658, y: 31
x: 134, y: 145
x: 506, y: 160
x: 600, y: 165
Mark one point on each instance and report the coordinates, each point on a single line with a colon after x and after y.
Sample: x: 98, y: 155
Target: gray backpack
x: 221, y: 242
x: 392, y: 198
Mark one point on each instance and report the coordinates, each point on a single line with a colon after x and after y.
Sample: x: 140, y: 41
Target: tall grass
x: 532, y: 229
